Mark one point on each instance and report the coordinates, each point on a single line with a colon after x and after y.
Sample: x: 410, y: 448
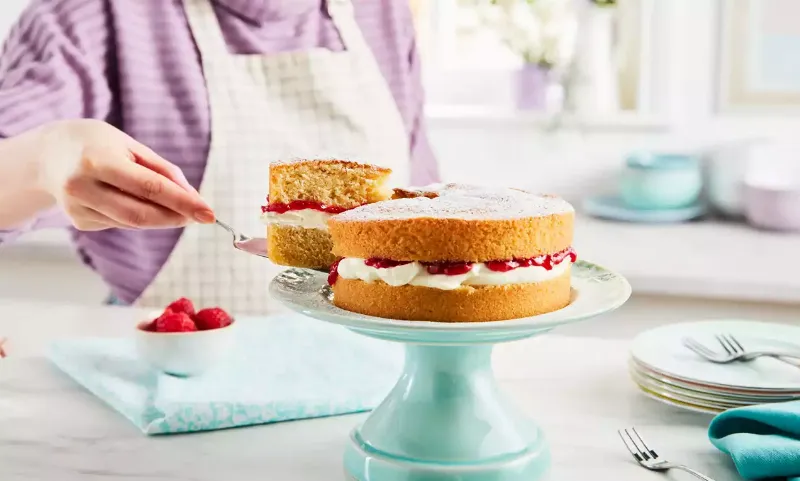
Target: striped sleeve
x: 55, y: 65
x: 424, y: 165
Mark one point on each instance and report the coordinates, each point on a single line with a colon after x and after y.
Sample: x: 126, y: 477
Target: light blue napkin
x: 763, y: 440
x: 282, y: 368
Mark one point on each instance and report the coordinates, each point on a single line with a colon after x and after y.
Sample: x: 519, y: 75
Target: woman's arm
x: 22, y: 197
x: 53, y: 67
x: 55, y: 93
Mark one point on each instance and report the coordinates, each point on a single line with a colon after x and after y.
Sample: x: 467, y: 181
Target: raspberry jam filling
x: 448, y: 268
x: 334, y: 273
x: 547, y: 261
x: 384, y: 263
x: 283, y: 207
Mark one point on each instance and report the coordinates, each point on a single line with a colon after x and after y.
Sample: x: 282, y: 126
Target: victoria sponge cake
x: 454, y: 253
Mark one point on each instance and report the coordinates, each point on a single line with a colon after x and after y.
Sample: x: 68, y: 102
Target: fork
x: 734, y: 351
x: 648, y: 458
x: 734, y: 347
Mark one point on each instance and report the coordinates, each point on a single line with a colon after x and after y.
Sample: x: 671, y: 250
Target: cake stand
x: 446, y: 418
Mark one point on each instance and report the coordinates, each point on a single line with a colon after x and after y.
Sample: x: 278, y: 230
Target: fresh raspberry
x: 150, y: 326
x: 175, y: 322
x: 211, y: 318
x: 181, y: 305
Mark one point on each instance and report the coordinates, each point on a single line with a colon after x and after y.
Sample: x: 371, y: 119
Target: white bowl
x: 727, y: 166
x: 183, y: 353
x: 773, y: 207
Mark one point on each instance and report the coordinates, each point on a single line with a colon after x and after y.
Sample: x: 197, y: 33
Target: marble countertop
x: 575, y: 387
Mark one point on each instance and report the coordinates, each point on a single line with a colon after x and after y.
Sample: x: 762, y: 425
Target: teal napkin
x: 763, y: 440
x: 282, y: 368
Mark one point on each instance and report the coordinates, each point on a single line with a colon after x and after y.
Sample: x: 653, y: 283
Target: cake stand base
x: 447, y: 420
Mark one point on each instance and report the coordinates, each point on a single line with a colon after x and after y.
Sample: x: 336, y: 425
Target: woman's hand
x: 102, y: 178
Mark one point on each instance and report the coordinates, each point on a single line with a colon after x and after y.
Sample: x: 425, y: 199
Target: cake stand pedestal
x: 446, y: 419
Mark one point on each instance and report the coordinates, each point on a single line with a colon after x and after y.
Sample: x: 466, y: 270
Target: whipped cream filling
x: 416, y: 274
x: 305, y: 218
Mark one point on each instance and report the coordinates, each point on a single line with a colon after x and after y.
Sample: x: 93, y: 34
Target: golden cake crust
x: 341, y: 183
x: 299, y: 247
x: 465, y: 304
x: 455, y: 223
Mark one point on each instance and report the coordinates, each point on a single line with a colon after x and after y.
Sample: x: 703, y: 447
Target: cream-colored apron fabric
x: 267, y: 107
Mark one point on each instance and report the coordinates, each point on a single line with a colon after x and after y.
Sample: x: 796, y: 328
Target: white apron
x: 267, y: 107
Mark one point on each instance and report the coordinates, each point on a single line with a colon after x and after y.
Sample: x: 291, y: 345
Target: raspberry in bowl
x: 184, y: 342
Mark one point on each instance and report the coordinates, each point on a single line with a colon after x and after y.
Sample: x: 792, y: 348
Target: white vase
x: 595, y: 84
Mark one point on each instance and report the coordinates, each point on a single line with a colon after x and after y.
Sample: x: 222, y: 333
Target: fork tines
x: 729, y: 343
x: 637, y: 445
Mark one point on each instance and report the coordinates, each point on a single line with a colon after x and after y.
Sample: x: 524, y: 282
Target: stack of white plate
x: 665, y: 370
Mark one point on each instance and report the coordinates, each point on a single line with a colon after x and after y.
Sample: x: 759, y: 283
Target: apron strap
x: 209, y: 37
x: 343, y: 16
x: 205, y: 27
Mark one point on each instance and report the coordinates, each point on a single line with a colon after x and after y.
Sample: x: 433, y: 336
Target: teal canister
x: 661, y: 181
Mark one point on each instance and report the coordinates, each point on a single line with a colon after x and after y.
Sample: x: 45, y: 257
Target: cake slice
x: 303, y: 194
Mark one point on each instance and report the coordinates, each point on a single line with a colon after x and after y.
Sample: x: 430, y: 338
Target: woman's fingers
x: 92, y: 164
x: 87, y: 219
x: 139, y: 181
x: 146, y: 157
x: 122, y: 209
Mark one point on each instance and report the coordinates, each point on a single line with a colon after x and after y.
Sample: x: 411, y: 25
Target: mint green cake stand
x: 446, y: 418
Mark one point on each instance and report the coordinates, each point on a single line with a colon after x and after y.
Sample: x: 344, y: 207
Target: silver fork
x: 256, y: 246
x: 734, y: 351
x: 648, y: 458
x: 734, y: 347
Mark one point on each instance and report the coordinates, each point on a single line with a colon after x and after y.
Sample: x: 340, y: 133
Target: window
x: 467, y: 64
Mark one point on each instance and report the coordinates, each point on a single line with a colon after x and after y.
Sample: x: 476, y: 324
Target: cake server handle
x: 251, y: 245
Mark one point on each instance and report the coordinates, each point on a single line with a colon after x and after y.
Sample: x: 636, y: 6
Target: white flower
x: 541, y: 32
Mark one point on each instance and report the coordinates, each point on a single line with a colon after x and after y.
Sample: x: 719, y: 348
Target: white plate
x: 694, y: 396
x: 662, y: 351
x: 729, y: 393
x: 680, y: 404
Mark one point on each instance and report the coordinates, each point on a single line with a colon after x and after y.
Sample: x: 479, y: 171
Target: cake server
x: 256, y: 246
x: 252, y: 245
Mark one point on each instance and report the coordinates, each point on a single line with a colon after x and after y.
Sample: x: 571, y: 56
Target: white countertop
x: 52, y: 429
x: 699, y: 259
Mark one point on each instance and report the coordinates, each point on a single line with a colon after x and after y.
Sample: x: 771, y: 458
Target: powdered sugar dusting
x: 326, y: 158
x: 467, y: 202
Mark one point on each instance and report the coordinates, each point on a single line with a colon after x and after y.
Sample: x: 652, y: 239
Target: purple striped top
x: 135, y: 65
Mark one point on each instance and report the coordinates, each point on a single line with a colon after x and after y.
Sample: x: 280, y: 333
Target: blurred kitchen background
x: 672, y: 125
